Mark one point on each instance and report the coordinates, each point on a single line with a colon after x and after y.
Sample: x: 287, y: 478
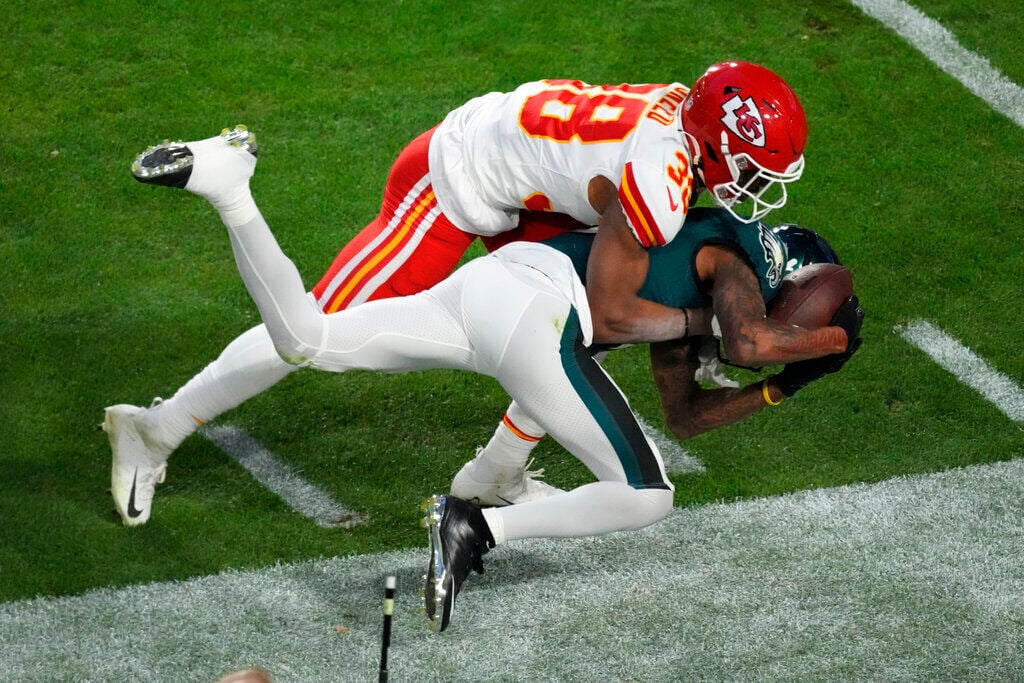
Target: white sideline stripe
x: 676, y: 458
x: 807, y: 586
x: 940, y: 46
x: 302, y: 496
x: 966, y: 366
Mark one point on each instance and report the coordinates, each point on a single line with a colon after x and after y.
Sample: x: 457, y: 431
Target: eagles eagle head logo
x: 774, y: 255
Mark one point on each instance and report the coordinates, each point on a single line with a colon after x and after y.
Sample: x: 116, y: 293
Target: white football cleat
x: 521, y: 486
x: 139, y: 462
x: 209, y: 168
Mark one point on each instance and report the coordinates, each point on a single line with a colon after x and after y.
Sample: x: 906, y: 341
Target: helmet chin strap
x: 732, y: 195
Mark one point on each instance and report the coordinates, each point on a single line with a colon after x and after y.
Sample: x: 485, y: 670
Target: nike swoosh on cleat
x: 132, y: 510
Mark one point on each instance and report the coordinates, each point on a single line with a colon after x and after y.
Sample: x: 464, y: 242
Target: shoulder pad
x: 654, y: 196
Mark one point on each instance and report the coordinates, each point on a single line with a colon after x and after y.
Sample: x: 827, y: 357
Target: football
x: 811, y: 295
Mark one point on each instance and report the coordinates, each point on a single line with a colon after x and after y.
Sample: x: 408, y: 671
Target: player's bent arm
x: 616, y: 271
x: 689, y: 408
x: 749, y: 337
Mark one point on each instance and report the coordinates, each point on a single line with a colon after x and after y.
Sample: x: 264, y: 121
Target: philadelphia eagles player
x: 716, y: 263
x: 520, y: 315
x: 497, y: 476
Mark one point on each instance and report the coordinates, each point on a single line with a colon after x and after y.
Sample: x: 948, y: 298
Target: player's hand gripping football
x: 796, y: 376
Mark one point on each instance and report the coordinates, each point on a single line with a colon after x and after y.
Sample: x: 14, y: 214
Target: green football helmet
x: 804, y: 247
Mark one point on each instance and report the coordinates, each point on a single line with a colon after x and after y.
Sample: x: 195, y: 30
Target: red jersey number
x: 577, y: 111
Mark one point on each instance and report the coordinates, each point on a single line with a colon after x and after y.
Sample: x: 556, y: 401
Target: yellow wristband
x: 767, y: 396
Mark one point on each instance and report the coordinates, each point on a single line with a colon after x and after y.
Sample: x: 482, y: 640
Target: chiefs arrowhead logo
x: 742, y: 117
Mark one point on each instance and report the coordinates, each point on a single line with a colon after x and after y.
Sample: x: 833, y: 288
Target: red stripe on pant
x: 433, y: 259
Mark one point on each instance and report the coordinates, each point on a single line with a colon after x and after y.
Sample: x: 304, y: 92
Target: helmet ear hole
x: 710, y: 152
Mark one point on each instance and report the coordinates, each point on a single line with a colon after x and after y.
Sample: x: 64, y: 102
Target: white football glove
x: 710, y: 369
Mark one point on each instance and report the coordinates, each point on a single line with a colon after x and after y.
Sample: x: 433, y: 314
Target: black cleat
x: 459, y: 538
x: 170, y: 163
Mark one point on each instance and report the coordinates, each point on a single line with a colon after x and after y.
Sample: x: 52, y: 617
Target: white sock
x: 248, y: 366
x: 509, y: 449
x: 220, y: 174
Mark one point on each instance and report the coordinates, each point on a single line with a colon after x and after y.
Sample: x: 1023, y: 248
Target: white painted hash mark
x: 677, y: 460
x: 966, y: 366
x: 941, y: 47
x: 300, y: 495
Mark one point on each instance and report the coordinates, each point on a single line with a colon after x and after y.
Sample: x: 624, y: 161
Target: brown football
x: 811, y: 295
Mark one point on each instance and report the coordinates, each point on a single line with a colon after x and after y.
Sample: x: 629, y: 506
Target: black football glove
x: 850, y: 318
x: 796, y: 376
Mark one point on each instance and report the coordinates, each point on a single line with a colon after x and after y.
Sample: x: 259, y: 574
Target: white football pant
x: 519, y: 315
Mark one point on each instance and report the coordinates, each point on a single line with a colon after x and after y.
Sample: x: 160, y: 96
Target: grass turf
x: 118, y: 292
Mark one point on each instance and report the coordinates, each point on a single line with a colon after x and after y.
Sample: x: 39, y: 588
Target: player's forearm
x: 689, y: 409
x: 713, y: 408
x: 642, y: 321
x: 767, y: 342
x: 749, y: 337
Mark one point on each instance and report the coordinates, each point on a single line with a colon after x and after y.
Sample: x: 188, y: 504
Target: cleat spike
x: 171, y: 163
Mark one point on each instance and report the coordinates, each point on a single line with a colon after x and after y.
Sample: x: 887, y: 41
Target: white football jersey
x: 539, y: 146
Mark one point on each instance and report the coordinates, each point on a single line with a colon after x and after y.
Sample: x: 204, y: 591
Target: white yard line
x: 300, y: 495
x: 941, y: 47
x: 976, y: 74
x: 966, y: 366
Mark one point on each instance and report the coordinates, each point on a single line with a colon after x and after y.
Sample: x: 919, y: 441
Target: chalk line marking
x: 966, y: 366
x: 731, y: 591
x: 940, y: 46
x: 302, y: 496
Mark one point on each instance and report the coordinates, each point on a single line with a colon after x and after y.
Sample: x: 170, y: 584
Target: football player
x: 498, y: 476
x: 628, y: 158
x: 537, y: 344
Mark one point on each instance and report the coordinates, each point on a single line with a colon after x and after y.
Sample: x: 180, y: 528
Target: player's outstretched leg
x: 216, y: 168
x: 459, y: 538
x: 139, y: 462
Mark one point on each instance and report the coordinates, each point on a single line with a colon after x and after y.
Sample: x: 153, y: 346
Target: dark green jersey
x: 672, y: 276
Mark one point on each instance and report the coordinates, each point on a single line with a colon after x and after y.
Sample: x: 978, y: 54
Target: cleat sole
x: 434, y: 593
x: 170, y: 163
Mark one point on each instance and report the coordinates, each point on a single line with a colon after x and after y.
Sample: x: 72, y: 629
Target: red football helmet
x: 747, y: 131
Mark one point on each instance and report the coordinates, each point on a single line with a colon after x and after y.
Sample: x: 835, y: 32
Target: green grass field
x: 116, y: 292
